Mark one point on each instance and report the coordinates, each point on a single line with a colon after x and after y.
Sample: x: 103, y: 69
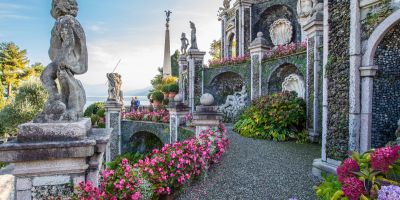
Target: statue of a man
x: 68, y: 55
x: 114, y: 87
x: 305, y: 8
x: 193, y: 36
x: 185, y: 44
x: 168, y: 13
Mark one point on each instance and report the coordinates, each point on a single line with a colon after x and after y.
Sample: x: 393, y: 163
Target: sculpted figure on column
x: 193, y: 36
x: 305, y: 8
x: 69, y: 57
x: 114, y: 87
x: 185, y: 44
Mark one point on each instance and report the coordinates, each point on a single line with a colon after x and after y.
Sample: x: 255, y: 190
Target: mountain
x: 102, y: 90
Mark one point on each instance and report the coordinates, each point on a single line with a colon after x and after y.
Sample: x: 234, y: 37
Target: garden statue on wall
x: 185, y: 44
x: 114, y: 87
x: 234, y: 104
x: 307, y: 8
x: 69, y: 57
x: 193, y: 36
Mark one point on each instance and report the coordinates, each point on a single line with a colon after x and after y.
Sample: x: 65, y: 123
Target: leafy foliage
x: 13, y: 66
x: 131, y: 157
x: 363, y: 176
x: 278, y: 117
x: 96, y: 112
x: 157, y: 96
x: 215, y: 50
x: 175, y: 64
x: 28, y: 103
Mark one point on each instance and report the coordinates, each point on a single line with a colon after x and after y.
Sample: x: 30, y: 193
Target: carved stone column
x: 183, y: 65
x: 258, y: 48
x: 314, y: 30
x: 177, y: 111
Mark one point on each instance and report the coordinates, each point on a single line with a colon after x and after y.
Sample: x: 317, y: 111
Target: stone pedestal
x: 206, y: 117
x: 258, y: 48
x: 324, y: 166
x: 183, y: 79
x: 177, y: 111
x: 113, y: 121
x: 50, y: 168
x: 195, y: 60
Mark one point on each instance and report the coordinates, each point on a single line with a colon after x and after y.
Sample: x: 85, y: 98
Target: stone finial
x: 178, y: 98
x: 207, y: 99
x: 260, y: 40
x: 69, y: 57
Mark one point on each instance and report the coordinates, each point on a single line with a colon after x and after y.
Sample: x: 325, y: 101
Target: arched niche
x: 271, y: 15
x: 224, y: 84
x: 278, y: 76
x: 144, y: 141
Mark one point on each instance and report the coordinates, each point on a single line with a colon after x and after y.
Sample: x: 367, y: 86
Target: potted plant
x: 165, y: 90
x: 158, y: 98
x: 173, y: 89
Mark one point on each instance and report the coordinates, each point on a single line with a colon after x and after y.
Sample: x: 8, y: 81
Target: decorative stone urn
x: 207, y: 99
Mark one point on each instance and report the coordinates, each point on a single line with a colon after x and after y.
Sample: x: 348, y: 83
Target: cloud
x: 13, y: 11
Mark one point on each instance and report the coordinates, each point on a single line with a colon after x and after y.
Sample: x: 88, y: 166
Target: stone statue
x: 305, y: 8
x: 227, y: 4
x: 168, y: 13
x: 234, y: 104
x: 114, y: 87
x: 185, y: 44
x: 193, y: 38
x: 69, y: 57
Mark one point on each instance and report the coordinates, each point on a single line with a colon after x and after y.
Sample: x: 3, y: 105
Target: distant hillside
x: 101, y: 90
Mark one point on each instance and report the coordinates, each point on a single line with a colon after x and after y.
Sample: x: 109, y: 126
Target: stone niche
x: 386, y: 89
x: 278, y: 19
x: 225, y: 84
x: 286, y: 75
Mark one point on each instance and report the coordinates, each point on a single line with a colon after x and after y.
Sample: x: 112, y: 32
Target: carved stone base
x: 63, y: 131
x: 328, y: 167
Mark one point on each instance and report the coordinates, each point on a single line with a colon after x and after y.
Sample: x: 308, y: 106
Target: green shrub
x: 157, y: 96
x: 165, y: 88
x: 327, y: 189
x: 27, y: 104
x: 278, y: 117
x: 173, y: 88
x: 132, y: 158
x: 96, y: 112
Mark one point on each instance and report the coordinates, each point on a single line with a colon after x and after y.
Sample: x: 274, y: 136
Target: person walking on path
x: 137, y: 104
x: 133, y: 103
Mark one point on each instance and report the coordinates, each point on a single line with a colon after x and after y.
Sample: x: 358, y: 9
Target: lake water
x: 127, y: 101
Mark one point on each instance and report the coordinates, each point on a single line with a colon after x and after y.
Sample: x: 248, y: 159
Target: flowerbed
x: 284, y: 50
x: 372, y: 175
x: 279, y: 117
x: 162, y: 172
x: 229, y: 61
x: 161, y: 116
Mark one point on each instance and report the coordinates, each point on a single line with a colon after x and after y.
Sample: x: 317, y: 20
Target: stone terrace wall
x: 337, y: 72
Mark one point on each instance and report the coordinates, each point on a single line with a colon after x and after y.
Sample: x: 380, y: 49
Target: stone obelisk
x: 167, y: 49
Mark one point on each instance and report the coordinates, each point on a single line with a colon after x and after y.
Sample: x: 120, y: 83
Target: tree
x: 215, y: 49
x: 37, y: 69
x: 175, y: 64
x: 13, y: 66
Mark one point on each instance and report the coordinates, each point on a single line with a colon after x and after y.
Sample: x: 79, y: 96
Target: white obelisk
x: 167, y: 69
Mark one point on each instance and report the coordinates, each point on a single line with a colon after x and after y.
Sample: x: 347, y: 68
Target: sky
x: 130, y: 30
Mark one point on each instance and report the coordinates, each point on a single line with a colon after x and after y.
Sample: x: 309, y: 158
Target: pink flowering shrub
x: 363, y: 176
x: 284, y: 50
x: 229, y: 61
x: 162, y: 172
x: 161, y: 116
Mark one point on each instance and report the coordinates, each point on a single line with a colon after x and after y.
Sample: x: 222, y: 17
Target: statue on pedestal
x: 185, y: 44
x: 114, y: 88
x: 69, y: 57
x: 193, y: 36
x: 168, y: 13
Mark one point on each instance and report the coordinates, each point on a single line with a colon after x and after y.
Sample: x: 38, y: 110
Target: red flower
x: 346, y: 169
x: 353, y: 188
x: 383, y: 158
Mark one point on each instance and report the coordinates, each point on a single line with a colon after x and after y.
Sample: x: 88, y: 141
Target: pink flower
x: 136, y: 196
x: 346, y: 169
x: 383, y: 158
x: 125, y: 161
x: 353, y: 188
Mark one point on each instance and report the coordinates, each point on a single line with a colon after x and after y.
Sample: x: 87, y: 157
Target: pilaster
x: 195, y: 60
x: 113, y: 121
x: 258, y: 48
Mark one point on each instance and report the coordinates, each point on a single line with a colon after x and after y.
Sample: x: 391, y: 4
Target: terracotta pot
x: 172, y: 95
x: 167, y: 197
x: 156, y: 104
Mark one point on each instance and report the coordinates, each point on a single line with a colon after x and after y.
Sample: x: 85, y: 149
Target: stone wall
x: 386, y: 91
x: 265, y: 13
x: 337, y: 73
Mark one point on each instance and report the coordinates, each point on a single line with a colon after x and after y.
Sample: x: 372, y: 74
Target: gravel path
x: 256, y: 169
